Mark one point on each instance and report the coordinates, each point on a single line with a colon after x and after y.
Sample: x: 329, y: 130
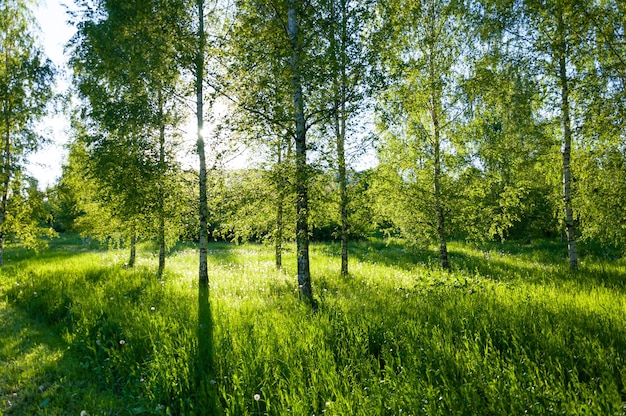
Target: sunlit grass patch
x: 504, y: 332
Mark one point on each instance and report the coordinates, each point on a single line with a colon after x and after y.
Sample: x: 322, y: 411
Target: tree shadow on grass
x: 223, y: 253
x: 38, y: 374
x: 542, y: 261
x: 545, y: 263
x: 387, y: 253
x: 477, y: 340
x: 58, y: 249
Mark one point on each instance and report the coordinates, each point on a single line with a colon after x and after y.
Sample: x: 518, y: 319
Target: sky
x: 54, y: 33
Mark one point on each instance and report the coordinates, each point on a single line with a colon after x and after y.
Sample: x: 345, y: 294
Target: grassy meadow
x: 509, y: 331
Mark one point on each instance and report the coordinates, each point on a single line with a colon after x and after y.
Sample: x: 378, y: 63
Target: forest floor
x: 509, y: 330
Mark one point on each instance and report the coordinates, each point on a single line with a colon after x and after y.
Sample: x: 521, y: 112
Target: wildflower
x: 152, y: 308
x: 257, y: 397
x: 122, y: 342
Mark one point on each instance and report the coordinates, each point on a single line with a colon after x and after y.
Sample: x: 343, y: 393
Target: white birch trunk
x: 302, y: 227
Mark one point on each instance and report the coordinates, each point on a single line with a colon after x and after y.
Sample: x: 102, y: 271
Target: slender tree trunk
x: 133, y: 246
x: 278, y: 238
x: 302, y: 226
x: 6, y: 161
x: 205, y: 318
x: 343, y: 193
x: 161, y: 196
x: 441, y: 232
x: 6, y: 170
x: 435, y: 104
x: 340, y: 128
x: 278, y: 235
x: 567, y: 147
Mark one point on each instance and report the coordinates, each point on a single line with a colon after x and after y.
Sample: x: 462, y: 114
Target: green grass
x: 508, y: 331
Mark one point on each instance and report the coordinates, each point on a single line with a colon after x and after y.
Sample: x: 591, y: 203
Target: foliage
x: 126, y: 70
x: 76, y: 197
x: 601, y: 195
x: 468, y: 121
x: 28, y: 219
x: 325, y: 198
x: 26, y: 78
x: 601, y: 123
x: 403, y: 206
x: 245, y: 204
x: 508, y: 147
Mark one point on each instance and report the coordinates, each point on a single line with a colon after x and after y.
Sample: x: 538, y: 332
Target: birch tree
x: 126, y: 67
x: 26, y: 78
x: 552, y: 35
x: 257, y: 87
x: 509, y: 144
x: 555, y: 41
x: 198, y: 48
x: 600, y: 173
x: 352, y: 63
x: 418, y: 108
x: 561, y: 54
x: 283, y: 38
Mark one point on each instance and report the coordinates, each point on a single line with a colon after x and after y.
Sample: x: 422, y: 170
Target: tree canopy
x: 483, y: 120
x: 26, y: 78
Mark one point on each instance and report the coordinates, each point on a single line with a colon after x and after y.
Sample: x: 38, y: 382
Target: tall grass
x: 508, y: 331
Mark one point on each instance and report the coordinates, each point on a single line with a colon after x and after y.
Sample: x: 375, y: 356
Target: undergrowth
x: 510, y: 330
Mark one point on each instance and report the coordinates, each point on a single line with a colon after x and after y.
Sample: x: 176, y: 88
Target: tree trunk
x: 161, y: 196
x: 278, y: 238
x: 567, y: 147
x: 6, y: 164
x: 340, y: 127
x: 6, y: 170
x: 204, y: 370
x: 435, y: 106
x: 133, y: 246
x: 278, y: 235
x: 343, y: 192
x: 441, y: 233
x: 302, y: 227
